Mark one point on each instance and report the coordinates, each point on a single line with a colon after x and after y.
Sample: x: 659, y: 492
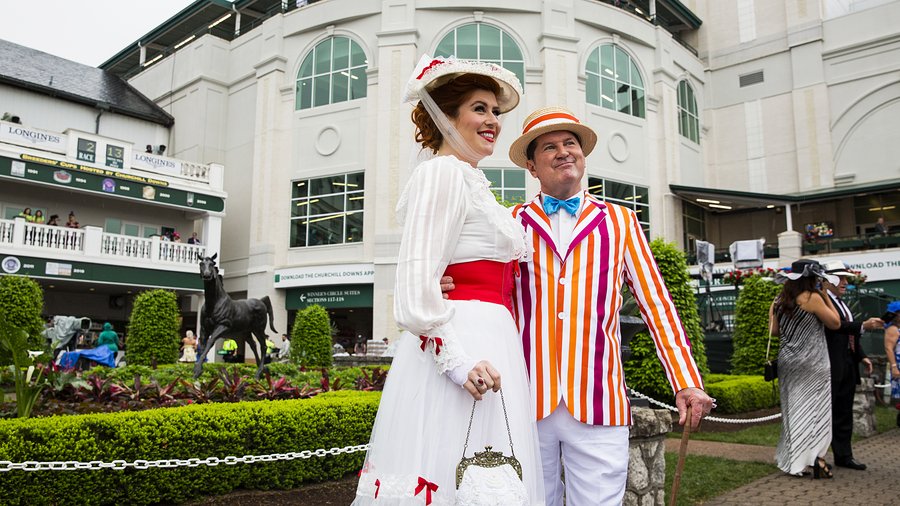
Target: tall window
x: 694, y: 221
x: 478, y: 41
x: 624, y: 194
x: 688, y: 122
x: 327, y: 210
x: 614, y: 82
x: 334, y: 71
x: 507, y: 184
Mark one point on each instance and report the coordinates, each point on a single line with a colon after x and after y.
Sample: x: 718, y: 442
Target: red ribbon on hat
x: 428, y: 487
x: 431, y: 65
x: 438, y: 342
x: 377, y: 487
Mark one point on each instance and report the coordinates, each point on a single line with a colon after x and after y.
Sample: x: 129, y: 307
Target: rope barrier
x: 118, y: 465
x: 710, y: 418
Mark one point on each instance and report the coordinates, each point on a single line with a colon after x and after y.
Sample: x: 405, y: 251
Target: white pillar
x: 18, y: 238
x: 788, y: 217
x: 211, y: 236
x: 93, y: 239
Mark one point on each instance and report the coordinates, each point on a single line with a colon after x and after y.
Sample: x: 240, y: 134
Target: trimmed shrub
x: 21, y: 301
x: 326, y: 421
x: 751, y: 331
x: 311, y: 338
x: 643, y: 370
x: 741, y: 394
x: 153, y: 329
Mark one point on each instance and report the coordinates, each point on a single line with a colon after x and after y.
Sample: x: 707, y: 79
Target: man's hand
x: 873, y: 324
x: 699, y: 403
x: 446, y: 286
x: 868, y: 366
x: 482, y: 377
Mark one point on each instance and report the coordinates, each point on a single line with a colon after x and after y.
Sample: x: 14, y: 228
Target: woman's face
x: 27, y: 210
x: 478, y: 122
x: 39, y: 213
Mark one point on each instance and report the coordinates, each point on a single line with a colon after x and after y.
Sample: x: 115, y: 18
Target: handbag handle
x: 768, y: 345
x: 505, y: 417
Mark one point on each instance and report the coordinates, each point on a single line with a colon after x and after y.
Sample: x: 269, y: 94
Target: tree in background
x: 21, y: 303
x: 751, y: 330
x: 311, y: 338
x: 643, y: 370
x: 153, y: 329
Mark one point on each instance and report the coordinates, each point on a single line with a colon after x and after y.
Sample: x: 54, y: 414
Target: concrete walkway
x: 878, y: 485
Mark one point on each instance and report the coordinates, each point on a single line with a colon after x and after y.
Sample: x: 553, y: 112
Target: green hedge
x: 740, y: 394
x: 311, y: 338
x: 336, y: 419
x: 153, y: 331
x: 21, y: 303
x: 751, y: 330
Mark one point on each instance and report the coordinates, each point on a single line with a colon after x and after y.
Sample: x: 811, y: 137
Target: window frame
x: 598, y: 79
x: 312, y: 74
x: 688, y: 114
x: 640, y: 208
x: 309, y: 196
x: 504, y: 188
x: 517, y: 64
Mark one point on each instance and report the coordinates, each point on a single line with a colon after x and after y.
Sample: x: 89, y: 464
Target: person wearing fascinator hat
x: 799, y: 315
x: 464, y: 348
x: 845, y: 353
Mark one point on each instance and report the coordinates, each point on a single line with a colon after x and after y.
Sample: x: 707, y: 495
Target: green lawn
x: 707, y: 477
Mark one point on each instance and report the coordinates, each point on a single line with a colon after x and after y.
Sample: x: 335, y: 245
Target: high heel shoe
x: 821, y: 470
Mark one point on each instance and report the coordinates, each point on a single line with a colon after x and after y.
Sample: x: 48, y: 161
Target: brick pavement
x: 878, y: 485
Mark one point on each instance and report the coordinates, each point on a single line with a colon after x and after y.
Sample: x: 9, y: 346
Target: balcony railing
x: 851, y: 243
x: 92, y: 244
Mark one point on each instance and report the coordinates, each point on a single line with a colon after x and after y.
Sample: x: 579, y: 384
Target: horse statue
x: 220, y: 316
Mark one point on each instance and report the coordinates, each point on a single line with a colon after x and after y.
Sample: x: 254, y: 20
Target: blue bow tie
x: 552, y: 204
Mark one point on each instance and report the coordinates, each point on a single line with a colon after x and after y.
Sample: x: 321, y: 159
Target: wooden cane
x: 682, y: 452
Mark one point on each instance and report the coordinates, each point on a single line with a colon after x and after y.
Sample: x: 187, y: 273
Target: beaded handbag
x: 490, y: 478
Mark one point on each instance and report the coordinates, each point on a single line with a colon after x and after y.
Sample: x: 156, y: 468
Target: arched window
x: 335, y: 71
x: 478, y: 41
x: 688, y: 122
x: 614, y: 82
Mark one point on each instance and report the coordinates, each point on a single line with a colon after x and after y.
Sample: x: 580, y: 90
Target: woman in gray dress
x: 799, y: 316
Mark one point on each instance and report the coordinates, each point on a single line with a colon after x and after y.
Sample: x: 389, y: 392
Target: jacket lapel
x: 533, y: 215
x: 593, y: 212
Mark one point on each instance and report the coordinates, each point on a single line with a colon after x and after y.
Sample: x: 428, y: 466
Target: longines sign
x: 344, y: 274
x: 14, y: 133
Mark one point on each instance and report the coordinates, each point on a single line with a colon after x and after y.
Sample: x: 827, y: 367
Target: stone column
x: 646, y: 457
x: 864, y: 408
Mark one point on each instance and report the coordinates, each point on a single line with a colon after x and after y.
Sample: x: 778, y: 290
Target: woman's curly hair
x: 448, y: 97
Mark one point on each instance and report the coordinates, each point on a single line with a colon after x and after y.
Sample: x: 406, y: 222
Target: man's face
x: 558, y: 163
x: 839, y: 289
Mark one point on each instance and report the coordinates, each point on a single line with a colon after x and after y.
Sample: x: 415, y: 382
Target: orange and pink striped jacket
x: 567, y: 307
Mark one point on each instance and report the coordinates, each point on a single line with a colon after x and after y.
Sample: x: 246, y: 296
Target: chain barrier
x: 119, y: 465
x: 710, y: 418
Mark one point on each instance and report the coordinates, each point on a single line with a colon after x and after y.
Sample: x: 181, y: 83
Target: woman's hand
x: 895, y: 372
x: 482, y: 377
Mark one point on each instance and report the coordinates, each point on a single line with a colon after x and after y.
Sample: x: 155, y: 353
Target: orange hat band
x: 548, y: 117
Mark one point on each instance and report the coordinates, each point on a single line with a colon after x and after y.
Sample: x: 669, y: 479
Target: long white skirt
x: 422, y: 420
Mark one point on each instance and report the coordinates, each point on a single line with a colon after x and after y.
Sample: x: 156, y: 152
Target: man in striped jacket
x: 567, y: 302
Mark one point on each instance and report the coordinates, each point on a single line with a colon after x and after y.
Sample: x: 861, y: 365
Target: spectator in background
x: 26, y: 213
x: 72, y: 222
x: 108, y: 338
x: 285, y: 351
x: 54, y: 220
x: 39, y: 217
x: 148, y: 149
x: 892, y: 350
x: 193, y: 239
x: 176, y: 237
x: 799, y: 316
x: 880, y: 227
x: 188, y: 348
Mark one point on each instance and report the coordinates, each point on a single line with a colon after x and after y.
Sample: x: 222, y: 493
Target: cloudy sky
x: 86, y: 31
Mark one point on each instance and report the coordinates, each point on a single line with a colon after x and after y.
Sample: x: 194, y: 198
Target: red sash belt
x: 483, y: 280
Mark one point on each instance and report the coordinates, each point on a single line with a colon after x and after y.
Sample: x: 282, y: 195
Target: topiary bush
x: 311, y: 338
x: 751, y: 330
x: 740, y: 394
x: 337, y: 419
x: 643, y: 369
x: 153, y: 329
x: 21, y: 302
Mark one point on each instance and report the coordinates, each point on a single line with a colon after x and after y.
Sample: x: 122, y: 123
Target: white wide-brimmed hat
x: 432, y: 72
x: 805, y: 268
x: 546, y: 120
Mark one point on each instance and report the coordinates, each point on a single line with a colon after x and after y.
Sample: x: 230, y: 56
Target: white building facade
x: 718, y: 120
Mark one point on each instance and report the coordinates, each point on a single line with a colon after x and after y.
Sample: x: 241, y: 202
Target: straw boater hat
x: 550, y: 119
x: 837, y: 267
x: 431, y: 73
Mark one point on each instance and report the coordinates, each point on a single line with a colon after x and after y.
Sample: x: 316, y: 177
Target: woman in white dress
x: 189, y: 348
x: 453, y: 350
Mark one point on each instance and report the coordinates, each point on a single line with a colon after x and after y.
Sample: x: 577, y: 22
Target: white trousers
x: 595, y: 459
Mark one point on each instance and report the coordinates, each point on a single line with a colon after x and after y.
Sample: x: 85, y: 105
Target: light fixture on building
x: 185, y: 41
x: 770, y: 206
x: 220, y: 20
x: 719, y: 206
x: 707, y: 201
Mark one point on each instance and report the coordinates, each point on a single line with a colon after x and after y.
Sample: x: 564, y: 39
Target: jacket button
x: 561, y: 315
